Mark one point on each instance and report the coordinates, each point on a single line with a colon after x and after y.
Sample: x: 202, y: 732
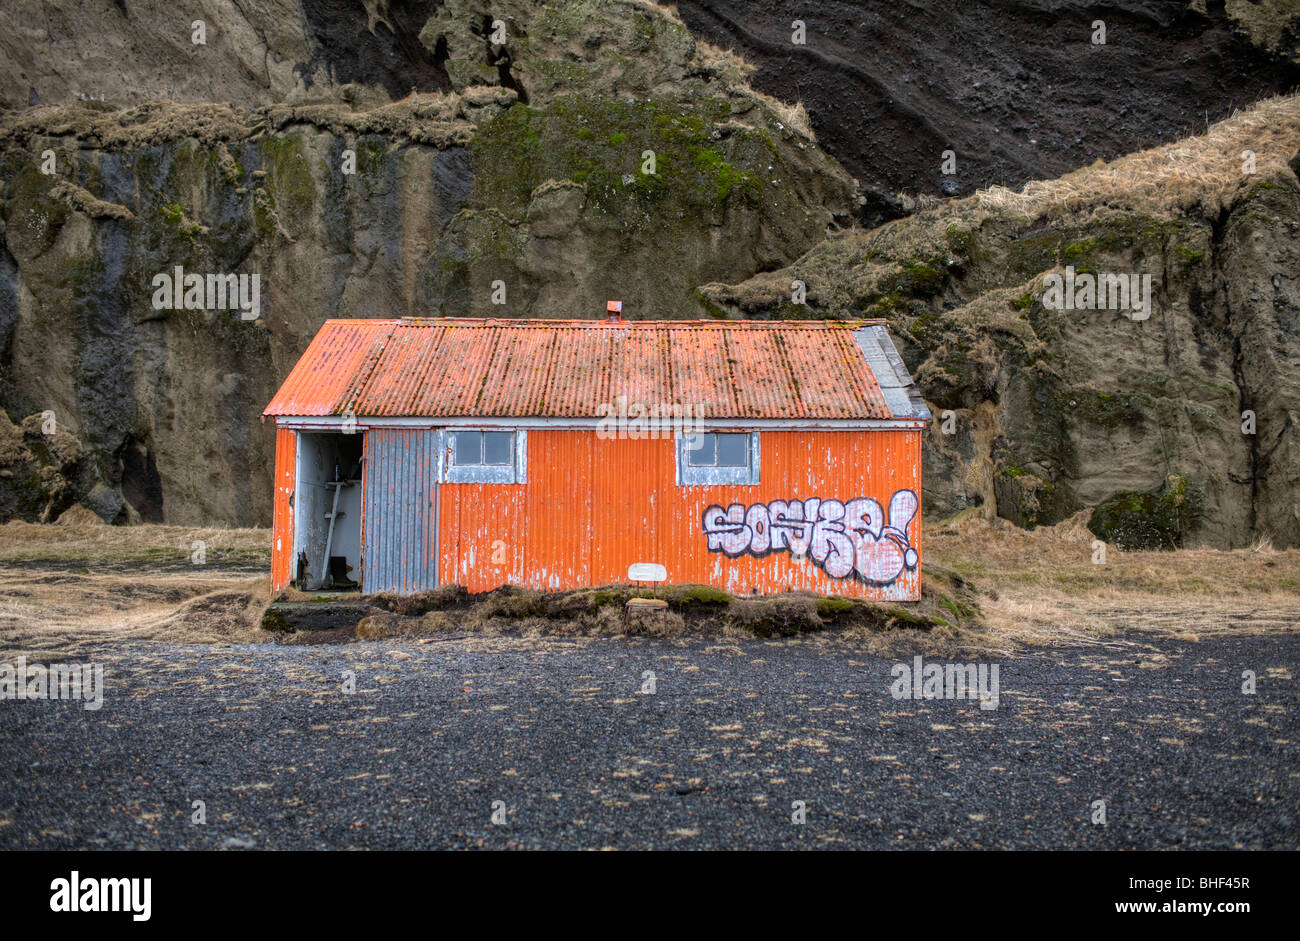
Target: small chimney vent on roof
x: 614, y: 309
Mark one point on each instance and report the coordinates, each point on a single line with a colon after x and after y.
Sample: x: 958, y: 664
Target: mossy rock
x: 960, y: 242
x: 33, y: 218
x: 513, y: 603
x: 1119, y: 236
x: 1030, y: 255
x: 1076, y: 252
x: 289, y: 181
x: 600, y: 141
x: 922, y: 278
x: 420, y: 602
x: 687, y: 595
x: 1109, y: 410
x: 609, y: 598
x: 1020, y: 495
x: 774, y: 617
x: 1136, y: 520
x: 832, y: 608
x: 711, y: 309
x: 881, y: 306
x: 273, y: 620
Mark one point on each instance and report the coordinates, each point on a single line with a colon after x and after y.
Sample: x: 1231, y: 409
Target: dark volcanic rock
x: 1017, y: 89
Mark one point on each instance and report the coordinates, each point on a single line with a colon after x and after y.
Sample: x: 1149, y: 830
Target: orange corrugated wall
x: 593, y: 506
x: 286, y: 454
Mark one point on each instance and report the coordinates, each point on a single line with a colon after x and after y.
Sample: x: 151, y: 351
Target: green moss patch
x: 600, y: 142
x: 1137, y: 520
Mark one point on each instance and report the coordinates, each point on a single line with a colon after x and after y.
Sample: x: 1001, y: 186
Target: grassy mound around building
x: 949, y: 605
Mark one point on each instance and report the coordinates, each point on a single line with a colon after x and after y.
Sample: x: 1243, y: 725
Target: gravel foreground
x: 567, y: 735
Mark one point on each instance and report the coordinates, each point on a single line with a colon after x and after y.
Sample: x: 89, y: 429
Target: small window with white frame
x: 717, y: 457
x: 480, y: 456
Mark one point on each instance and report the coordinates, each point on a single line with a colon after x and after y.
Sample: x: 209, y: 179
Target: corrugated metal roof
x: 331, y: 368
x: 896, y: 384
x: 569, y: 368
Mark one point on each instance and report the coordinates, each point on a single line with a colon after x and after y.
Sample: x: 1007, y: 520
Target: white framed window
x: 717, y: 457
x: 485, y: 456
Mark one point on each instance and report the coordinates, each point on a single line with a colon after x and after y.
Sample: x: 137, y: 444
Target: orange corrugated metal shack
x: 750, y: 456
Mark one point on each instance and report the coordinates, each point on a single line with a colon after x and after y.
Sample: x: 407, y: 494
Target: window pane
x: 497, y: 446
x: 469, y: 448
x: 705, y: 454
x: 733, y: 450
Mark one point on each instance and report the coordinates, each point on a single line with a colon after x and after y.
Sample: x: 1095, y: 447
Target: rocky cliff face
x: 376, y: 159
x: 1179, y: 426
x: 1019, y: 90
x: 640, y: 167
x: 250, y: 52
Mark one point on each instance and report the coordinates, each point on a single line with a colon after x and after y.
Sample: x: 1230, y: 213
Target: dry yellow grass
x: 97, y: 545
x: 65, y: 586
x: 733, y: 69
x: 44, y: 611
x: 62, y: 588
x: 735, y: 72
x: 1197, y: 173
x: 793, y: 116
x: 1042, y: 586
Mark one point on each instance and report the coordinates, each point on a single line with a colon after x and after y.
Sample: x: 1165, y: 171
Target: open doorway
x: 327, y: 512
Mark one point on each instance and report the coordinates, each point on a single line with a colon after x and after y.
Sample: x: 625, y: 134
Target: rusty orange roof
x: 458, y: 367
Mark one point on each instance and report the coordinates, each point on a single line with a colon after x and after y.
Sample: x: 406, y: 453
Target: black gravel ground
x: 562, y: 734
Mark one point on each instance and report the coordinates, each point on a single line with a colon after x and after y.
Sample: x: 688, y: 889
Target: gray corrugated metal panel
x: 868, y: 339
x: 401, y: 540
x: 900, y: 403
x: 919, y: 408
x: 901, y: 394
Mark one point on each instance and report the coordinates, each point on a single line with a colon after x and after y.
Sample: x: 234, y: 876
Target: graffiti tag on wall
x: 845, y: 539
